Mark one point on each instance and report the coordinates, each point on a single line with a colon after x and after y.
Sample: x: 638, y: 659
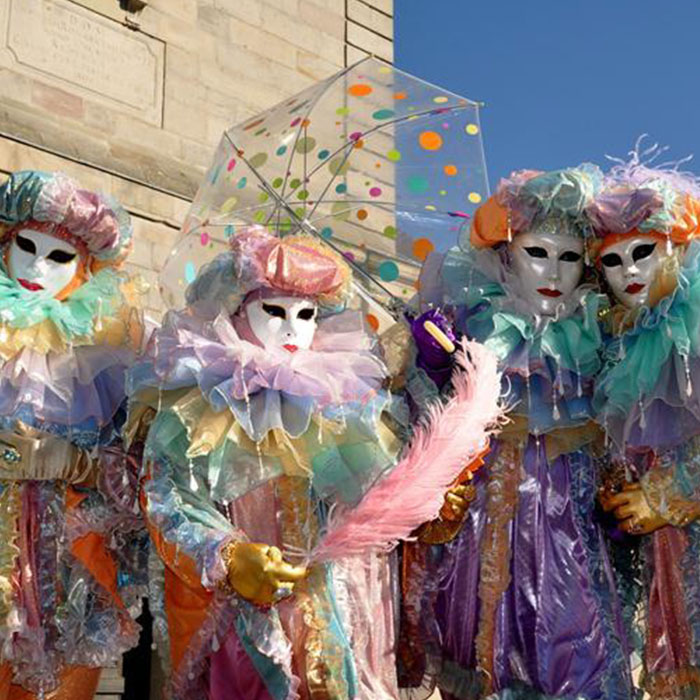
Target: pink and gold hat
x: 297, y: 265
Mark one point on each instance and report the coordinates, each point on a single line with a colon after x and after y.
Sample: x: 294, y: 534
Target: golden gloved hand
x: 631, y: 508
x: 457, y: 500
x: 258, y: 573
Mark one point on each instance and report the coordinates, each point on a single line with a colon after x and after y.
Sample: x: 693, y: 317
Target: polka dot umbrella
x: 383, y: 166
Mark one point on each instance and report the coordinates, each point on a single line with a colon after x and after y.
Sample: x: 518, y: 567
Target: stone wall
x: 134, y: 103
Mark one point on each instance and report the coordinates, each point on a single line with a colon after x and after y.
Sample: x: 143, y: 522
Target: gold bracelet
x: 224, y: 585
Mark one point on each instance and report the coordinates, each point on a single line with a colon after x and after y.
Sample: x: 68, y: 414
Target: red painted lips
x: 290, y: 348
x: 31, y: 286
x: 634, y: 288
x: 553, y: 293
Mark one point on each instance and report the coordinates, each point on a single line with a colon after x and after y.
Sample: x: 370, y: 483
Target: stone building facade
x: 132, y: 96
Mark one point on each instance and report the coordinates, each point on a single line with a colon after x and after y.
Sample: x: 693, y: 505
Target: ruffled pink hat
x: 297, y: 265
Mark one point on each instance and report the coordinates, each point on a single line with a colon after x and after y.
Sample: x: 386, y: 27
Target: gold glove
x: 446, y: 527
x: 632, y: 510
x: 457, y: 500
x: 258, y: 573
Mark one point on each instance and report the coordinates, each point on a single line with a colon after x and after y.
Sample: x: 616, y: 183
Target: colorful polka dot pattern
x: 376, y: 160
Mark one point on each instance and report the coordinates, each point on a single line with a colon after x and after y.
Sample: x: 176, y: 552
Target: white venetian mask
x: 548, y: 267
x: 41, y: 262
x: 630, y: 268
x: 283, y: 322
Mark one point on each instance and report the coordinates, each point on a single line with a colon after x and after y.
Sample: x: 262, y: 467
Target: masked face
x: 41, y: 262
x: 283, y: 322
x: 549, y: 267
x: 630, y: 268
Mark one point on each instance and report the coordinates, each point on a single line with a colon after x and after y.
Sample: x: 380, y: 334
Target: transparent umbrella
x: 381, y: 165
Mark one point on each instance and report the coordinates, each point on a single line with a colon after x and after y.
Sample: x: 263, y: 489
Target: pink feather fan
x: 453, y: 436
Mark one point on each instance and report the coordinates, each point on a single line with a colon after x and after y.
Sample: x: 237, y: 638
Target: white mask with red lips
x: 630, y: 268
x: 548, y: 267
x: 42, y: 263
x: 283, y: 322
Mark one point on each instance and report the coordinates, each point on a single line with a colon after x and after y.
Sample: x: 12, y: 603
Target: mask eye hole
x: 25, y: 244
x: 611, y: 260
x: 306, y: 314
x: 61, y: 256
x: 536, y: 251
x: 570, y: 256
x: 274, y: 310
x: 643, y: 251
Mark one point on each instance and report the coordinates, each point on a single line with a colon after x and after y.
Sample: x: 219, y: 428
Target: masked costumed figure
x: 69, y: 542
x: 524, y: 595
x: 270, y: 418
x: 648, y: 403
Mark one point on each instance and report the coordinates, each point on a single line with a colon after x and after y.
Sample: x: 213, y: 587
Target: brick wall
x: 210, y: 64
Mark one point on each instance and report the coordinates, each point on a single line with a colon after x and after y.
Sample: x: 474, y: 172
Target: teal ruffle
x: 572, y: 343
x: 548, y: 364
x: 74, y: 317
x: 635, y: 360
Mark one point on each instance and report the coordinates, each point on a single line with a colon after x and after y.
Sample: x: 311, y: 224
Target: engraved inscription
x: 77, y: 46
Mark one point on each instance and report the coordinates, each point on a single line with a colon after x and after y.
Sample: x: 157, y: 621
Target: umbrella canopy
x: 380, y: 164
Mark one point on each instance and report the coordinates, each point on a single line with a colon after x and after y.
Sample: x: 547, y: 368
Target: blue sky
x: 563, y: 81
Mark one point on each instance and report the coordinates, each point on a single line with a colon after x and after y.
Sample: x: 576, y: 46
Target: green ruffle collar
x: 75, y: 317
x: 571, y: 343
x: 635, y: 359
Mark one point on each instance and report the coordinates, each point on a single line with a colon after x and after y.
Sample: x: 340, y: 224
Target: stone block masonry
x: 135, y: 102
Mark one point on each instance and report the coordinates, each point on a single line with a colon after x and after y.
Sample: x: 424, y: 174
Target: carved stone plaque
x: 87, y: 54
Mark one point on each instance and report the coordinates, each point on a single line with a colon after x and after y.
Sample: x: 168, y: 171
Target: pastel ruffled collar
x: 75, y: 318
x: 636, y: 358
x: 191, y: 349
x: 495, y: 317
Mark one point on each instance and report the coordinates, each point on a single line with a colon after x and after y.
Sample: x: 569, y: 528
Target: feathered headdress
x: 637, y: 199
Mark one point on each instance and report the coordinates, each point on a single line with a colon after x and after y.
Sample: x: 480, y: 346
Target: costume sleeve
x: 672, y: 484
x: 182, y: 517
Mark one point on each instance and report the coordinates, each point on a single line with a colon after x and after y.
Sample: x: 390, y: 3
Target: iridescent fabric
x: 92, y: 221
x: 292, y: 265
x: 524, y: 597
x: 72, y: 550
x: 259, y: 445
x: 646, y: 394
x: 647, y: 401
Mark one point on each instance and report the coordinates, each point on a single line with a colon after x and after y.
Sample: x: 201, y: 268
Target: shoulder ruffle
x: 548, y: 363
x: 648, y: 391
x: 47, y: 324
x: 63, y: 364
x: 254, y: 383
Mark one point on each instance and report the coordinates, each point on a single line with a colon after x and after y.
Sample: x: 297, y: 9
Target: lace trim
x: 616, y: 681
x: 690, y: 571
x: 679, y: 684
x: 659, y: 486
x: 502, y: 501
x: 10, y: 506
x: 325, y: 654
